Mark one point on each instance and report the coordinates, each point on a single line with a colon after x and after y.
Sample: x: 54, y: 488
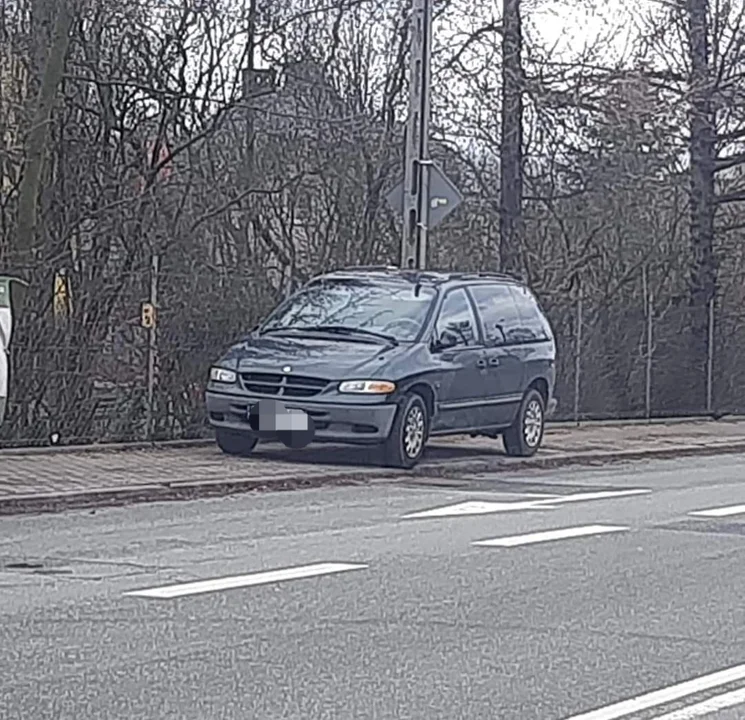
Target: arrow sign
x: 444, y: 197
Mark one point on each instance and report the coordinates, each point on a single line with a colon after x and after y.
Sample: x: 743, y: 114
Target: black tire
x: 405, y: 445
x: 235, y: 442
x: 525, y: 435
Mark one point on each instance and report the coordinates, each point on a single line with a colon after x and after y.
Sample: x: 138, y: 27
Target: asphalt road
x: 404, y: 618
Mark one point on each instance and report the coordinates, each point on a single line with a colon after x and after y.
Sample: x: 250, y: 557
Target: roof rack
x: 369, y: 268
x: 485, y: 276
x: 437, y: 276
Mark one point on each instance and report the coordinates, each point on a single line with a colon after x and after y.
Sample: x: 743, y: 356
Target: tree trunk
x: 511, y: 170
x: 35, y: 151
x: 702, y: 282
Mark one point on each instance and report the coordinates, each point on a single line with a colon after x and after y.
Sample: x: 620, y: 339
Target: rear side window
x: 499, y: 314
x: 533, y: 326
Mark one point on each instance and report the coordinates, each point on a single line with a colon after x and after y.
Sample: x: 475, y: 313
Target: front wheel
x: 405, y: 444
x: 524, y: 436
x: 235, y: 442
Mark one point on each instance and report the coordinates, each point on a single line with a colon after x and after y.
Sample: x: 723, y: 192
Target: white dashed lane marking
x: 706, y: 707
x: 720, y: 512
x: 665, y: 695
x: 478, y: 507
x: 168, y: 592
x: 550, y: 535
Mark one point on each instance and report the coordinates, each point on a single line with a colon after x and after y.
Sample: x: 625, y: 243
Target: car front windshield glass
x: 395, y: 310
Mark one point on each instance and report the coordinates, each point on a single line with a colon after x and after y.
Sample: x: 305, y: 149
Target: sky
x: 568, y: 29
x: 570, y: 24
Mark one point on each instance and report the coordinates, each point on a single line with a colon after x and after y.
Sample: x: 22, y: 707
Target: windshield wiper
x: 337, y: 330
x: 344, y: 330
x: 270, y: 330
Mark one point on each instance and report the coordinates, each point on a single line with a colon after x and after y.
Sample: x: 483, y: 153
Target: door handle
x: 494, y: 362
x: 481, y: 363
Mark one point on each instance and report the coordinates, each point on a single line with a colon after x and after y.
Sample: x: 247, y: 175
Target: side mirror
x: 447, y: 340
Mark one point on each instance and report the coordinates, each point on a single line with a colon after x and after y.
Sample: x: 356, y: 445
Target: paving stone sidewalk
x: 53, y: 473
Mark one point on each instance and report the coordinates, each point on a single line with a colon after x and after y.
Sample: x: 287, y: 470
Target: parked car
x: 389, y: 357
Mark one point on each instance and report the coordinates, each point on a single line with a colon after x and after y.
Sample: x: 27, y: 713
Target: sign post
x: 425, y: 196
x: 11, y: 294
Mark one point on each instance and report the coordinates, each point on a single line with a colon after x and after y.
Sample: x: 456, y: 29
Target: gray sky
x: 570, y: 24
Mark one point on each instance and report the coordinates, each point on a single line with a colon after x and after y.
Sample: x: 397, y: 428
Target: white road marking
x: 238, y: 581
x: 475, y: 507
x: 706, y: 707
x: 600, y: 495
x: 665, y: 695
x: 548, y: 535
x: 720, y: 512
x: 478, y: 507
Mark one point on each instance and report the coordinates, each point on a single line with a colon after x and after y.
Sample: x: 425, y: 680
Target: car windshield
x: 392, y: 310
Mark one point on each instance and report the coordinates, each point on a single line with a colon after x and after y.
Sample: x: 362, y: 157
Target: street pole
x: 511, y: 223
x: 417, y: 159
x: 152, y: 345
x: 251, y: 67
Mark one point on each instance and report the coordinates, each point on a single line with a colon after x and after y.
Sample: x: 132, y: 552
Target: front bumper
x: 362, y: 424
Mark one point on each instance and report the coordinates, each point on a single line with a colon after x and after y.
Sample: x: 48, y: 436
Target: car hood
x: 333, y: 359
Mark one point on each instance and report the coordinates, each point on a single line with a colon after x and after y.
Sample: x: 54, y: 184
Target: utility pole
x: 425, y: 196
x: 149, y: 321
x: 250, y: 69
x: 417, y: 161
x: 511, y: 159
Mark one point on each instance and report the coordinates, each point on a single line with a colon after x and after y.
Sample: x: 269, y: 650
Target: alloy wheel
x: 533, y: 423
x: 414, y: 431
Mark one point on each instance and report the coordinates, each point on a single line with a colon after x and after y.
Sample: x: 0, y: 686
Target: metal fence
x: 636, y: 360
x: 79, y: 380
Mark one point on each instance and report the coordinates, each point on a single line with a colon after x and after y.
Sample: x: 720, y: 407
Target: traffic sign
x: 444, y: 197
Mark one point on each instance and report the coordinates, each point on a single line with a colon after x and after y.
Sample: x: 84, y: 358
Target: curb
x: 105, y: 447
x: 195, y: 489
x: 37, y: 503
x: 206, y: 441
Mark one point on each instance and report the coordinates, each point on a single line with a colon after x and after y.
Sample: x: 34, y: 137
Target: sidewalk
x: 50, y: 480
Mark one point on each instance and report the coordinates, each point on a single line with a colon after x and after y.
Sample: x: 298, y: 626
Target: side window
x: 498, y: 312
x: 533, y: 325
x: 457, y: 320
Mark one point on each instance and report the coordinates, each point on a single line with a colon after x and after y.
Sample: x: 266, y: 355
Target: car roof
x: 391, y: 273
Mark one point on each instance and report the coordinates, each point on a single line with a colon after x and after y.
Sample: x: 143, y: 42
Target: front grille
x: 282, y: 385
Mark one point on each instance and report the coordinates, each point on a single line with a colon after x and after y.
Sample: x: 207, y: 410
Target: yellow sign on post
x: 148, y: 316
x: 62, y: 296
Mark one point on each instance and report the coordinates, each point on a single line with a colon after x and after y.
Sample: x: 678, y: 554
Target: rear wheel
x: 525, y: 435
x: 235, y: 442
x: 405, y: 444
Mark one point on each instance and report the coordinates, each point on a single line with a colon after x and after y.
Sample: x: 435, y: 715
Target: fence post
x: 650, y: 340
x: 710, y: 360
x: 578, y: 357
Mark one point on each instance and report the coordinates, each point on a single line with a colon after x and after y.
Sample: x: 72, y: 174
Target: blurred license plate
x: 291, y: 419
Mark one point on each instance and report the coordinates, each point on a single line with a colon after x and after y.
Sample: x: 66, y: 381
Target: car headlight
x: 367, y: 387
x: 223, y: 375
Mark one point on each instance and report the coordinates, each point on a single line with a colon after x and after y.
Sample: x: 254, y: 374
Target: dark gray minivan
x: 389, y: 357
